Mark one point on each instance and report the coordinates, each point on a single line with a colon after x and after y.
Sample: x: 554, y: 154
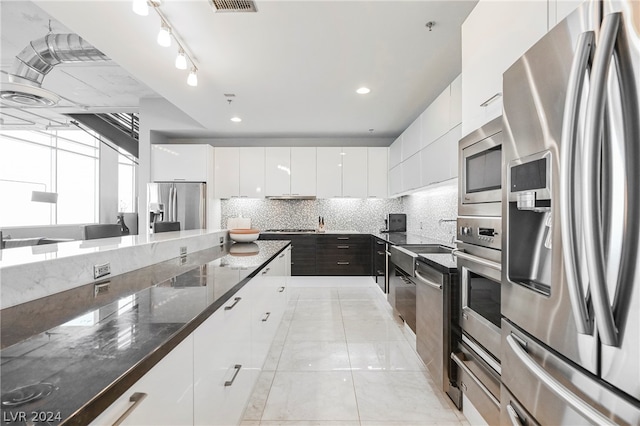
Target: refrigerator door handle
x: 569, y: 181
x: 174, y: 205
x: 593, y: 233
x: 582, y: 407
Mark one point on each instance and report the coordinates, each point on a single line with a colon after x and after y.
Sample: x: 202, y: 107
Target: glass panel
x: 484, y: 170
x: 126, y: 185
x: 484, y: 297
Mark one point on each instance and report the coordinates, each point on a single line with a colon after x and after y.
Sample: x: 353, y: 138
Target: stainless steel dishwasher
x: 402, y: 291
x: 435, y: 301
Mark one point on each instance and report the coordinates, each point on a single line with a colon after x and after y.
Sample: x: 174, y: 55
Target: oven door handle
x: 584, y: 409
x: 428, y: 281
x: 475, y: 259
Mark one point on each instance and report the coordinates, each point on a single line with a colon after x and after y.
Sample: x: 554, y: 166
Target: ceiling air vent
x: 234, y: 5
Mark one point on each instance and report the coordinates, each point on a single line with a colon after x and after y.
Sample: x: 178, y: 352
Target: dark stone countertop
x: 92, y: 347
x: 445, y: 262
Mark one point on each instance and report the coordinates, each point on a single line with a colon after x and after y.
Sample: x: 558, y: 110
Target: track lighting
x: 140, y: 7
x: 167, y: 35
x: 192, y: 80
x: 181, y: 60
x: 164, y: 36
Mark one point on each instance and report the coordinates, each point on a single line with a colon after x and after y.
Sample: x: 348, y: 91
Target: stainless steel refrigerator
x: 571, y: 223
x: 183, y: 202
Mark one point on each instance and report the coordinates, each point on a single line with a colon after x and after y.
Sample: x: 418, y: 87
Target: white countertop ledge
x: 29, y: 273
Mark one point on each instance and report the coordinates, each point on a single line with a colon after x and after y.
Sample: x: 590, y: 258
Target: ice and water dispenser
x: 530, y: 223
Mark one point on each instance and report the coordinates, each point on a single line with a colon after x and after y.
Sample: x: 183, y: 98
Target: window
x: 65, y: 162
x: 126, y: 183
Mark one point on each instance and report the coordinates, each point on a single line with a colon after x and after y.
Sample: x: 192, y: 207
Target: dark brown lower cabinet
x: 328, y: 254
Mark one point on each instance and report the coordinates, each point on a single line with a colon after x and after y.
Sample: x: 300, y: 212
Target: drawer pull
x: 266, y: 316
x: 235, y: 302
x: 343, y: 247
x: 281, y: 289
x: 343, y: 238
x: 380, y: 243
x: 343, y: 263
x: 136, y: 398
x: 265, y: 271
x: 237, y: 367
x: 281, y: 256
x: 380, y: 253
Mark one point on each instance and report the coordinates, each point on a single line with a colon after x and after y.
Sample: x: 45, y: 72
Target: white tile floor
x: 340, y: 358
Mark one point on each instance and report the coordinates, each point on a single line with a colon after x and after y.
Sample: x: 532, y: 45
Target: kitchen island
x: 85, y: 353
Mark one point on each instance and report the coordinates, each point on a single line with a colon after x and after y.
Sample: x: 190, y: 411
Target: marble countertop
x: 39, y: 253
x: 83, y: 342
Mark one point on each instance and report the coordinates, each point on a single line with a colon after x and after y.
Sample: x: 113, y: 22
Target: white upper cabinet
x: 411, y: 173
x: 329, y: 172
x: 494, y: 35
x: 251, y: 171
x: 395, y: 152
x: 278, y: 171
x: 439, y: 161
x: 303, y: 171
x: 377, y: 172
x: 227, y: 172
x: 354, y: 172
x: 395, y: 180
x: 435, y: 119
x: 178, y: 162
x: 411, y: 139
x: 455, y: 103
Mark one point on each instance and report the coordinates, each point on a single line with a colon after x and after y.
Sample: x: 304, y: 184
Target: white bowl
x: 244, y: 235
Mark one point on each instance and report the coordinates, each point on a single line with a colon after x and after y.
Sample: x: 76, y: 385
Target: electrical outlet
x: 183, y: 251
x: 221, y: 240
x: 101, y: 270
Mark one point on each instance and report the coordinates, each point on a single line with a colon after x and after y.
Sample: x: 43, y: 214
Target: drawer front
x: 344, y: 238
x: 342, y: 267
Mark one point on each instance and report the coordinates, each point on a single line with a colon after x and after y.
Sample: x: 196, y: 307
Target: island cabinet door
x: 223, y: 377
x: 163, y: 396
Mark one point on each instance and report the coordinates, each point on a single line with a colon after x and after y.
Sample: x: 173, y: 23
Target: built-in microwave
x: 480, y: 171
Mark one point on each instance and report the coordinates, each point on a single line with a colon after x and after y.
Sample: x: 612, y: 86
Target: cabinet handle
x: 237, y: 367
x: 136, y: 398
x: 380, y: 243
x: 281, y: 289
x: 281, y: 256
x: 180, y: 179
x: 343, y: 247
x: 265, y: 271
x: 343, y: 263
x: 266, y: 316
x: 381, y: 253
x: 380, y: 272
x: 235, y: 302
x: 343, y: 238
x: 491, y: 99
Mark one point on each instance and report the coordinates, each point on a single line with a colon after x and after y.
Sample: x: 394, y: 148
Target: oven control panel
x: 481, y: 231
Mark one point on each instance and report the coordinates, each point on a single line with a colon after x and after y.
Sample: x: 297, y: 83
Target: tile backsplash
x: 424, y: 211
x: 361, y: 215
x: 429, y: 212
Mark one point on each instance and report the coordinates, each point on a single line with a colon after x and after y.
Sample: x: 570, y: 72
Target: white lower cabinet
x: 222, y: 374
x: 208, y: 378
x: 163, y: 396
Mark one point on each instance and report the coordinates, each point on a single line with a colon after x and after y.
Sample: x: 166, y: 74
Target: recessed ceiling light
x: 236, y: 119
x: 363, y: 90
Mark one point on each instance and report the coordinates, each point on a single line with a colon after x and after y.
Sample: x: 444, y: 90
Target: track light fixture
x: 181, y: 60
x: 192, y: 80
x: 167, y: 35
x: 141, y: 7
x: 164, y: 36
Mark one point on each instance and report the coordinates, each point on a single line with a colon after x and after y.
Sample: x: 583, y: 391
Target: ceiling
x: 293, y: 66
